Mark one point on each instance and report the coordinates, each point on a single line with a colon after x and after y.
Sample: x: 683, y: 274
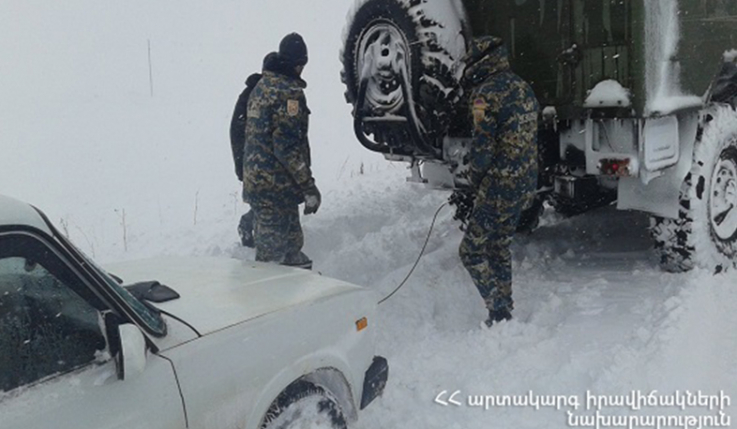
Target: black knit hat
x: 293, y: 50
x: 269, y: 60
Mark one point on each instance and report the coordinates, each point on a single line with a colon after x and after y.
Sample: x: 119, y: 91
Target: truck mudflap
x: 660, y: 195
x: 374, y: 381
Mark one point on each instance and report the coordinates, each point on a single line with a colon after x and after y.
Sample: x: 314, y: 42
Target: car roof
x: 18, y: 213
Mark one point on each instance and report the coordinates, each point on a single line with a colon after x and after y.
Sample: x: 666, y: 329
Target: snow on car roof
x: 14, y: 212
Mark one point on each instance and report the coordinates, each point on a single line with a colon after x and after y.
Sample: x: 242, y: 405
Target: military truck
x: 638, y: 104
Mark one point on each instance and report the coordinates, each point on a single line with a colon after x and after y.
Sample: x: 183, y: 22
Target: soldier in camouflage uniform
x: 502, y: 169
x: 238, y: 141
x: 276, y: 165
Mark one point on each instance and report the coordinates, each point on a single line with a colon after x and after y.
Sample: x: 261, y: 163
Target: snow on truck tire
x: 705, y: 233
x: 426, y: 36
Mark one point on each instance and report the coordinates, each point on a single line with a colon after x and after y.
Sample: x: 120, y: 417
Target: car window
x: 46, y: 327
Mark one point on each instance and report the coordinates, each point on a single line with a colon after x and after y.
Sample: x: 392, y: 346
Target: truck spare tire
x: 405, y: 53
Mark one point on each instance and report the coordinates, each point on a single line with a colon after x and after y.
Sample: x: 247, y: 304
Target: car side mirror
x: 132, y: 355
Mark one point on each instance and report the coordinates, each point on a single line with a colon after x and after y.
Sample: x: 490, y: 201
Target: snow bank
x: 593, y: 311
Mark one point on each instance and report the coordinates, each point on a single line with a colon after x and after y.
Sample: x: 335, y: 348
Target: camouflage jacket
x: 505, y: 114
x: 276, y: 160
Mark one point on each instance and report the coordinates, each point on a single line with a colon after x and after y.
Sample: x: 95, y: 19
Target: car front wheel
x: 304, y: 405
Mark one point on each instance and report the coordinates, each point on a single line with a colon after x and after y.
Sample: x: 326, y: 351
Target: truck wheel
x: 388, y: 42
x: 705, y: 233
x: 304, y: 405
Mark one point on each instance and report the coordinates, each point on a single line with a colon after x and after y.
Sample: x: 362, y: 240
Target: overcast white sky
x: 79, y: 124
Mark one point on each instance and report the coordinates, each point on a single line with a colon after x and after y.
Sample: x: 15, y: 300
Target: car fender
x: 329, y: 371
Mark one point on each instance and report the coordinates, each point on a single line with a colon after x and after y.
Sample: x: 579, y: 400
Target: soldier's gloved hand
x: 312, y: 199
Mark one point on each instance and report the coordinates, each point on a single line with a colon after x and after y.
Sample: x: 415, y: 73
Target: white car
x: 218, y: 343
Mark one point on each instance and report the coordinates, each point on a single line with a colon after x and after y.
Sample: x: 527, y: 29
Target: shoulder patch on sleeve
x: 292, y: 107
x: 479, y: 110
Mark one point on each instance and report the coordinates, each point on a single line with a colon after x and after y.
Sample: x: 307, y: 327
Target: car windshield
x: 152, y: 319
x: 147, y: 314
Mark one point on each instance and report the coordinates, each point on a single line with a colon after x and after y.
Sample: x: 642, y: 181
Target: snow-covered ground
x: 129, y: 175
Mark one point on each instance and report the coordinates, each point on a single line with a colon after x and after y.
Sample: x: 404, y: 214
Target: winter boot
x: 300, y: 260
x: 245, y: 230
x: 496, y: 316
x: 307, y: 265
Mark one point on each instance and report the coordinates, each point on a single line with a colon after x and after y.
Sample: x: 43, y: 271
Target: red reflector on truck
x: 615, y: 167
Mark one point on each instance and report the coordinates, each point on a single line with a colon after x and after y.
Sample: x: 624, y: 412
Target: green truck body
x: 565, y: 47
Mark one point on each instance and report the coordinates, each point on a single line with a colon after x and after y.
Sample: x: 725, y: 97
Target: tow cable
x: 422, y: 252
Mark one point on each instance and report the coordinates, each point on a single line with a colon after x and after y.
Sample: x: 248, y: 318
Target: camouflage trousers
x: 277, y: 233
x: 485, y: 248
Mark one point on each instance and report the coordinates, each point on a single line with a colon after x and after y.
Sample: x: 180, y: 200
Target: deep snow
x: 128, y: 176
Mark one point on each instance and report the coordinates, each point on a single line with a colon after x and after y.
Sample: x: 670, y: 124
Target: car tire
x: 408, y: 36
x: 705, y: 233
x: 304, y: 405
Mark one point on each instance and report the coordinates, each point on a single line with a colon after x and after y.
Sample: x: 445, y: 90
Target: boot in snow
x: 245, y: 229
x: 300, y: 260
x: 496, y: 316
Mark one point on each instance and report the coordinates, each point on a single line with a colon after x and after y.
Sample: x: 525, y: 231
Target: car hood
x: 219, y: 292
